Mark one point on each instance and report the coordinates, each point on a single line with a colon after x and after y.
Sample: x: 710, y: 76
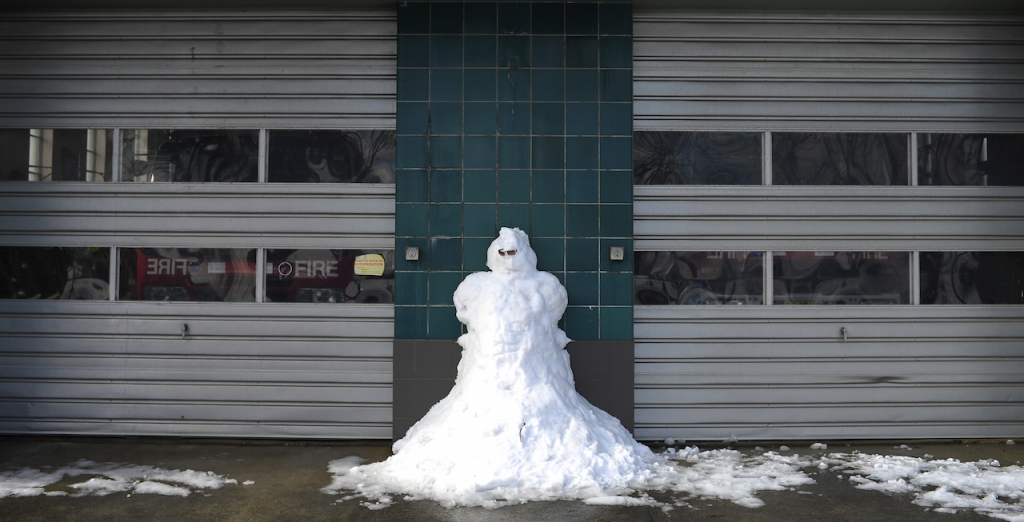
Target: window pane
x: 970, y: 159
x: 187, y: 274
x: 189, y: 156
x: 833, y: 278
x: 330, y: 276
x: 972, y: 277
x: 697, y: 158
x: 698, y: 278
x: 54, y: 273
x: 56, y: 154
x: 811, y: 158
x: 331, y: 156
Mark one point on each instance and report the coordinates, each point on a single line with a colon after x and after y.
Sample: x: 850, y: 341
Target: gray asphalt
x: 288, y: 477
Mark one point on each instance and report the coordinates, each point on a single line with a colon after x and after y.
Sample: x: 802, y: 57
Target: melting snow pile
x: 108, y: 478
x: 944, y: 485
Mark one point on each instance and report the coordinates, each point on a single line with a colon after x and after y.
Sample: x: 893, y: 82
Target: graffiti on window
x: 331, y: 156
x: 698, y: 278
x: 697, y: 158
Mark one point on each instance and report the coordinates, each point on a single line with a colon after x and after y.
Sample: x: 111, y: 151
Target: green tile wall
x: 514, y: 114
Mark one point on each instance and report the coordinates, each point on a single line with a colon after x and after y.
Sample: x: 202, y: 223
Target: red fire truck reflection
x: 329, y: 276
x: 204, y: 274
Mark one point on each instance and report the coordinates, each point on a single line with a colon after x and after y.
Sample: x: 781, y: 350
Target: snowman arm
x: 465, y: 297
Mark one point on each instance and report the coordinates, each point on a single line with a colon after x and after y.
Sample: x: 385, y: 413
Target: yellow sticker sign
x: 369, y: 265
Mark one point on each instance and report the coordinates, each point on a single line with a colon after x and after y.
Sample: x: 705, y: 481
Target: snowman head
x: 511, y: 253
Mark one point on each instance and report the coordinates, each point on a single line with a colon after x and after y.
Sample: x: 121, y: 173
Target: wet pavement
x: 288, y: 477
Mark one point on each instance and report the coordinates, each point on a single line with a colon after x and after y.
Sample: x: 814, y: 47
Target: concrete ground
x: 288, y: 477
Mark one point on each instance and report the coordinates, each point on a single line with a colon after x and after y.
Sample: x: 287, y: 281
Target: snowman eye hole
x: 502, y: 252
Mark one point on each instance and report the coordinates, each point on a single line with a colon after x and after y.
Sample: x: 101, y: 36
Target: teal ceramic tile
x: 617, y: 220
x: 581, y: 85
x: 607, y: 265
x: 617, y: 119
x: 479, y: 151
x: 514, y: 85
x: 581, y: 153
x: 513, y: 52
x: 412, y: 118
x: 548, y: 152
x: 549, y: 118
x: 402, y: 264
x: 581, y: 255
x: 581, y: 221
x: 481, y: 118
x: 413, y: 51
x: 513, y: 186
x: 481, y: 51
x: 581, y: 186
x: 476, y: 252
x: 617, y: 323
x: 442, y: 287
x: 615, y: 19
x: 513, y: 18
x: 446, y: 186
x: 413, y: 84
x: 582, y: 322
x: 443, y: 323
x: 445, y: 50
x: 481, y: 85
x: 514, y: 118
x: 413, y: 17
x: 582, y: 288
x: 548, y: 186
x: 410, y: 288
x: 410, y: 322
x: 616, y: 186
x: 581, y: 119
x: 514, y: 215
x: 445, y: 219
x: 446, y: 84
x: 411, y: 152
x: 617, y: 152
x: 445, y: 254
x: 581, y: 52
x: 446, y: 152
x: 548, y: 51
x: 548, y: 220
x: 548, y: 18
x: 446, y: 17
x: 411, y: 186
x: 480, y: 186
x: 616, y: 85
x: 481, y: 18
x: 514, y: 152
x: 446, y: 118
x: 616, y: 52
x: 550, y: 253
x: 480, y: 220
x: 581, y: 18
x: 548, y: 85
x: 617, y: 289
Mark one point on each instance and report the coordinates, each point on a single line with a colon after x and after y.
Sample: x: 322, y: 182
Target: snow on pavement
x: 108, y: 478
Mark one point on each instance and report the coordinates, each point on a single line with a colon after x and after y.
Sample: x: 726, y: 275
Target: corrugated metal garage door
x: 243, y: 370
x: 785, y: 372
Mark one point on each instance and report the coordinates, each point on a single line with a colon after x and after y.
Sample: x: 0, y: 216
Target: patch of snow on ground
x: 944, y: 485
x: 108, y: 478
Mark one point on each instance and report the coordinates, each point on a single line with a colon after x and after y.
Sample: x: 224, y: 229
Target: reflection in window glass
x: 833, y: 278
x: 330, y: 276
x: 56, y: 154
x: 972, y: 277
x: 54, y: 273
x: 811, y: 158
x: 187, y: 274
x: 331, y: 156
x: 698, y: 278
x: 697, y: 158
x: 189, y: 156
x: 970, y: 159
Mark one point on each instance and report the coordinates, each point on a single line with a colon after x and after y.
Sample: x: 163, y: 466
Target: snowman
x: 513, y: 427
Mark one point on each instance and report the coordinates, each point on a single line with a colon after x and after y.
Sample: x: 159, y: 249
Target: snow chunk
x: 819, y: 446
x: 108, y: 478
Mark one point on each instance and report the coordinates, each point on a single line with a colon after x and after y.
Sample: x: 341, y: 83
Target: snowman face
x: 511, y: 253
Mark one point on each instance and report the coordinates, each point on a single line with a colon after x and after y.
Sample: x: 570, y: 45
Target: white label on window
x: 216, y: 267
